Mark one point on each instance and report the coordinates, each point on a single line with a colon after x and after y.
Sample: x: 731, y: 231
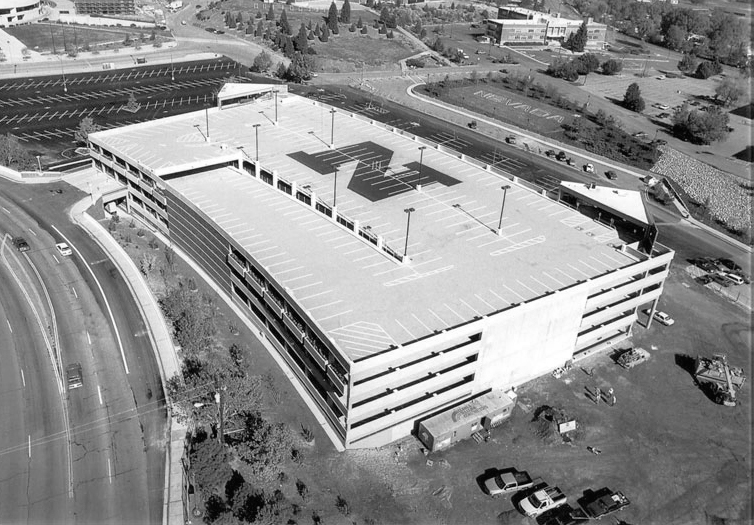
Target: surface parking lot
x: 45, y: 112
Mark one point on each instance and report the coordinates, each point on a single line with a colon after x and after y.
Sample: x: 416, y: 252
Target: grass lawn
x: 57, y: 37
x: 517, y: 100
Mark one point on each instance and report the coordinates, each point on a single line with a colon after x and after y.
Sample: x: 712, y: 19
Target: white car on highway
x: 63, y: 249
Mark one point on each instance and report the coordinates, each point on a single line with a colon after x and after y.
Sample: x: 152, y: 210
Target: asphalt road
x: 117, y: 418
x: 45, y: 112
x: 33, y: 448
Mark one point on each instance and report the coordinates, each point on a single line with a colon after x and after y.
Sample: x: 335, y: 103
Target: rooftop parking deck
x: 365, y: 300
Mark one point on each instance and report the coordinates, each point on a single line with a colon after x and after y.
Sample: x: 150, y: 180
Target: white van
x: 735, y: 279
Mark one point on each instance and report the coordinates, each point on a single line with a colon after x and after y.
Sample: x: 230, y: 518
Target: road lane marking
x: 74, y: 292
x: 88, y: 337
x: 5, y: 209
x: 99, y: 394
x: 104, y: 298
x: 9, y: 326
x: 56, y: 259
x: 29, y: 445
x: 32, y: 232
x: 23, y: 379
x: 109, y: 471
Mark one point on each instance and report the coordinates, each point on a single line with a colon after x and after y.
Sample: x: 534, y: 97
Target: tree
x: 191, y: 318
x: 612, y: 67
x: 688, y: 63
x: 345, y: 12
x: 132, y: 105
x: 86, y: 126
x: 332, y: 16
x: 708, y: 69
x: 262, y: 62
x: 565, y: 69
x: 632, y: 99
x: 209, y: 463
x: 285, y: 27
x: 271, y: 14
x: 325, y: 36
x: 301, y: 67
x: 577, y: 40
x: 301, y: 42
x: 587, y: 63
x: 728, y: 36
x: 360, y: 23
x: 264, y: 446
x: 676, y: 38
x: 700, y: 127
x: 729, y: 91
x: 13, y: 155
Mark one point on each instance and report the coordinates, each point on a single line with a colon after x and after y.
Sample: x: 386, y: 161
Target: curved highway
x: 115, y: 444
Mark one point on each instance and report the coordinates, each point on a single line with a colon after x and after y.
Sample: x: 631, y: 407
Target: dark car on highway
x: 20, y: 244
x: 561, y: 156
x: 610, y: 174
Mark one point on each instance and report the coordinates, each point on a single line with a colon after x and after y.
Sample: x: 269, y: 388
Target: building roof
x: 363, y: 299
x: 628, y: 204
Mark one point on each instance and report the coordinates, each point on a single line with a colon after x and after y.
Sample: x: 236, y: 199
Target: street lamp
x: 335, y: 189
x: 65, y: 87
x: 256, y: 132
x: 172, y: 71
x: 421, y: 165
x: 502, y: 208
x: 276, y: 105
x: 40, y: 165
x: 408, y: 211
x: 332, y: 128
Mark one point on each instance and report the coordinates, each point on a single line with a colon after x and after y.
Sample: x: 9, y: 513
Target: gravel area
x: 729, y: 198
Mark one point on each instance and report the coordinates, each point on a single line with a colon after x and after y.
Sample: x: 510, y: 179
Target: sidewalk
x: 162, y: 343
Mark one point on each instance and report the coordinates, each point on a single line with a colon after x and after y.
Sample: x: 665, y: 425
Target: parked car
x: 63, y: 249
x: 561, y: 156
x: 589, y: 168
x: 600, y: 503
x: 209, y: 29
x: 721, y: 280
x: 610, y: 174
x: 663, y: 107
x: 705, y: 263
x: 563, y: 515
x: 640, y: 134
x: 730, y: 264
x: 541, y: 501
x: 473, y: 124
x: 183, y: 22
x: 20, y: 244
x: 662, y: 317
x: 507, y: 481
x: 735, y: 279
x: 550, y: 153
x: 663, y: 115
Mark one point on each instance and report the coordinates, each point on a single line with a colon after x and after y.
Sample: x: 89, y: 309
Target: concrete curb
x: 606, y: 162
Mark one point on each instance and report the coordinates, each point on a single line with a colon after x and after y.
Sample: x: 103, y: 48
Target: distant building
x: 519, y: 26
x: 105, y: 7
x: 14, y: 12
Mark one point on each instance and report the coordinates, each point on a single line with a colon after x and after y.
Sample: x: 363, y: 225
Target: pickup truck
x: 602, y: 502
x: 542, y: 500
x: 507, y: 481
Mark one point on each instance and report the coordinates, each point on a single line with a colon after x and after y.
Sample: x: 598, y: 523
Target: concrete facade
x: 373, y: 397
x: 14, y: 12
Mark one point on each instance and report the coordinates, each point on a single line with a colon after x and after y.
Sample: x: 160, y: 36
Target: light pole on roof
x: 421, y: 165
x: 332, y: 128
x: 502, y: 208
x: 408, y: 211
x: 256, y: 132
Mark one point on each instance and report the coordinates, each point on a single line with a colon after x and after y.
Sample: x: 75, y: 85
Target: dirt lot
x: 678, y: 457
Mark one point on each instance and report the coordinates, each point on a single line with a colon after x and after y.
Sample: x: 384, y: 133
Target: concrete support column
x: 314, y: 200
x: 256, y: 169
x: 274, y: 178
